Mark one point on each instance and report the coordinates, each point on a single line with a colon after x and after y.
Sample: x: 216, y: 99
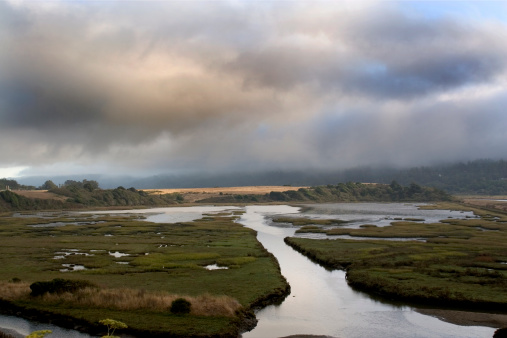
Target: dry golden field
x: 491, y: 202
x: 256, y: 190
x: 190, y: 194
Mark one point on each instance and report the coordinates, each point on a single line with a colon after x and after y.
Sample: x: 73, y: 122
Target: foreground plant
x: 39, y: 334
x: 112, y: 325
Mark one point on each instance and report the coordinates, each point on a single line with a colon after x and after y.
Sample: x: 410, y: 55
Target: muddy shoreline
x: 467, y: 318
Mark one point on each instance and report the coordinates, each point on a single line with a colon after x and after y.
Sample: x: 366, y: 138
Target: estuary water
x: 321, y: 302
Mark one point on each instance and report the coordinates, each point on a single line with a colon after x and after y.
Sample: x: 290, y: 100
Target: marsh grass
x: 125, y: 299
x: 448, y: 228
x: 462, y: 262
x: 165, y: 260
x: 12, y: 291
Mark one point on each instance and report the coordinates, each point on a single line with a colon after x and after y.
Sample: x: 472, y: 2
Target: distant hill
x: 486, y: 177
x: 78, y: 195
x: 342, y: 192
x: 86, y: 194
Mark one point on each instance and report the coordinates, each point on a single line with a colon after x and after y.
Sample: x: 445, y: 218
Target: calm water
x: 379, y: 214
x: 321, y: 302
x: 18, y: 327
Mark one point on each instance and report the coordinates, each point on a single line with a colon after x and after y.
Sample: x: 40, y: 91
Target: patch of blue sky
x: 374, y: 68
x: 262, y: 129
x: 484, y: 10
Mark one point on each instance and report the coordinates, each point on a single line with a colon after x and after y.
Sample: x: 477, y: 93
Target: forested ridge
x: 85, y: 194
x: 479, y: 177
x: 343, y: 192
x: 482, y: 177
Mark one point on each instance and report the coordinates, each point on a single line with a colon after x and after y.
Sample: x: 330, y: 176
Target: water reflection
x: 171, y: 214
x: 19, y: 327
x: 379, y: 214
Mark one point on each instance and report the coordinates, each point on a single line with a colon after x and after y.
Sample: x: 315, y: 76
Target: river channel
x: 321, y: 302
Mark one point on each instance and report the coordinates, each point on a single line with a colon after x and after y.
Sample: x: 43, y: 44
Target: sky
x: 152, y: 87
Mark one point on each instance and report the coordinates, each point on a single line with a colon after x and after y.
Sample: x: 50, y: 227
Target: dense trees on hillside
x: 488, y: 177
x: 477, y: 177
x: 48, y: 185
x: 88, y: 194
x: 344, y: 192
x: 10, y: 201
x: 85, y: 194
x: 12, y: 184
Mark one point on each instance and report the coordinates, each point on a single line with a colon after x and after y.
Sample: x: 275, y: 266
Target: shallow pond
x: 379, y: 214
x: 169, y: 215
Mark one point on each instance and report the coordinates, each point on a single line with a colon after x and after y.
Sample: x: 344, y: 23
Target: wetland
x: 239, y: 253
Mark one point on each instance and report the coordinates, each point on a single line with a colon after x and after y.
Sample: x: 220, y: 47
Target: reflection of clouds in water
x: 258, y: 214
x: 322, y: 303
x: 171, y: 214
x: 379, y: 214
x: 23, y: 328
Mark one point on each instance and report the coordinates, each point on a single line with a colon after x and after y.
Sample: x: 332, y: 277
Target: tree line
x: 343, y: 192
x: 85, y: 194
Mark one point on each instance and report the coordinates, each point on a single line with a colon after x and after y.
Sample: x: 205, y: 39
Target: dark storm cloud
x: 162, y: 85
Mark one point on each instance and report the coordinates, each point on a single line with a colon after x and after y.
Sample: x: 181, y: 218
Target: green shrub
x: 39, y: 334
x: 180, y: 306
x: 112, y: 325
x: 59, y: 285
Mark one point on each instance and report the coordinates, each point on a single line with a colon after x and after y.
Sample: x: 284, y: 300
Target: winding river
x: 321, y: 302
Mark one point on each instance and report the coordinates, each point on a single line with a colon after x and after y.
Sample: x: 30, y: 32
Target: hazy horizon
x: 145, y: 88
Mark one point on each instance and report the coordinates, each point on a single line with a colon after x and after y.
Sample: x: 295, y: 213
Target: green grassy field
x: 167, y: 258
x: 463, y: 263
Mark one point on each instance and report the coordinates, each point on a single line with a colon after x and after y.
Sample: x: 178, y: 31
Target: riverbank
x: 461, y: 263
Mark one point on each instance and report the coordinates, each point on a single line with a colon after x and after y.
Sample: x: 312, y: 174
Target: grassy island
x: 459, y: 262
x: 132, y: 271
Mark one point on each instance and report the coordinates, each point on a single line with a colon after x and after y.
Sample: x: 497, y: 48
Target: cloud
x: 143, y: 87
